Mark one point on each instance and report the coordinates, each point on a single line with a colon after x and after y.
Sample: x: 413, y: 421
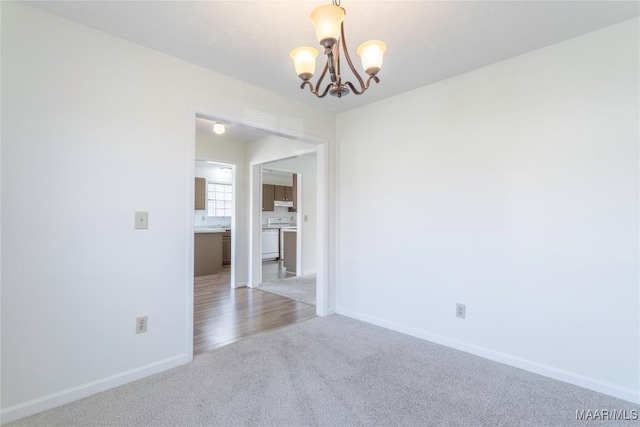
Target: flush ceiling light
x: 218, y: 128
x: 328, y: 21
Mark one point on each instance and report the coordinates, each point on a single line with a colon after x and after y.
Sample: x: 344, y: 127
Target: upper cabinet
x: 200, y: 194
x: 268, y: 194
x: 283, y: 193
x: 279, y: 193
x: 294, y: 194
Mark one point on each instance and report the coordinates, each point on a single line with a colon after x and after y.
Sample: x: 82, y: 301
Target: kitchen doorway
x: 246, y: 236
x: 279, y: 215
x: 288, y: 221
x: 214, y: 217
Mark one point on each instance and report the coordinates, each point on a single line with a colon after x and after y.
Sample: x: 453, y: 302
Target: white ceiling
x: 427, y: 41
x: 233, y: 132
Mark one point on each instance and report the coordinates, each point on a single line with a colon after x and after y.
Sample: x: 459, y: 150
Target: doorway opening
x: 229, y: 305
x: 288, y: 212
x: 278, y: 213
x: 214, y: 216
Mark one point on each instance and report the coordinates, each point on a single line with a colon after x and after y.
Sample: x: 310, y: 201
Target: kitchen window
x: 219, y: 199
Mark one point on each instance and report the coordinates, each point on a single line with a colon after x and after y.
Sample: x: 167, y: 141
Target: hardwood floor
x: 274, y: 270
x: 223, y: 315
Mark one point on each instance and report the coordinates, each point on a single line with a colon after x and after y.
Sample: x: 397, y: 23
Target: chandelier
x: 328, y: 22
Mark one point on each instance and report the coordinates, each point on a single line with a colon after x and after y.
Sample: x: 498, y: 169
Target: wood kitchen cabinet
x: 268, y: 194
x: 200, y: 194
x: 290, y: 252
x: 226, y: 248
x: 207, y: 253
x: 294, y: 194
x: 279, y: 193
x: 283, y: 193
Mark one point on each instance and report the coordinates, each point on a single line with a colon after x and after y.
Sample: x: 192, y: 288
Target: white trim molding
x: 40, y: 404
x: 590, y: 383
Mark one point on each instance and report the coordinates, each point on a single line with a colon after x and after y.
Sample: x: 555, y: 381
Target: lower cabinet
x: 226, y: 248
x: 207, y: 254
x: 290, y: 253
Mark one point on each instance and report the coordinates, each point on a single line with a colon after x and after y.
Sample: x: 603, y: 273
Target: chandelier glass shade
x: 328, y: 21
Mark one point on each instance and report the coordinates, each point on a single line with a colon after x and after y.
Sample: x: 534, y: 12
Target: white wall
x: 277, y: 178
x: 518, y: 184
x: 306, y: 165
x: 95, y: 128
x: 215, y: 173
x: 274, y: 147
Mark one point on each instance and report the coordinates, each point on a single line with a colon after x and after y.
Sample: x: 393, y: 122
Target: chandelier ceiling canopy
x: 328, y: 21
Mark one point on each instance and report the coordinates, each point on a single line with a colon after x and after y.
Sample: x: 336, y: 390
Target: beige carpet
x: 299, y: 288
x: 336, y: 371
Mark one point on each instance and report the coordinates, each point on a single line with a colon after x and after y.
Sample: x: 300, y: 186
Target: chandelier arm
x: 308, y: 83
x: 354, y: 90
x: 348, y: 58
x: 326, y: 90
x: 319, y: 82
x: 364, y: 88
x: 315, y: 91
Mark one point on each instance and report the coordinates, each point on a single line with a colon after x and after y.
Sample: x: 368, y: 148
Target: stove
x: 278, y: 222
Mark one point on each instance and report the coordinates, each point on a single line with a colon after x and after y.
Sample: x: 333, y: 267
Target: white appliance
x: 270, y: 243
x: 283, y: 203
x: 278, y: 222
x: 271, y: 237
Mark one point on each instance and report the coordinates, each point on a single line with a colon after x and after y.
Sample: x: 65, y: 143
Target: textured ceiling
x: 427, y: 41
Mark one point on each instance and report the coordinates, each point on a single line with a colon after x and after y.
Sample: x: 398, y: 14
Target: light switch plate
x: 142, y: 220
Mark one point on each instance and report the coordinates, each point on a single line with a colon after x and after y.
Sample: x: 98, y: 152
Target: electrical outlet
x: 141, y: 325
x: 306, y: 218
x: 142, y: 220
x: 461, y: 310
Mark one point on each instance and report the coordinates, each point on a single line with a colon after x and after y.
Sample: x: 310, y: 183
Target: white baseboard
x: 590, y: 383
x: 63, y: 397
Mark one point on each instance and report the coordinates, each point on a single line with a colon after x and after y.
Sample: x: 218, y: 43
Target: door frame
x: 254, y: 223
x: 300, y: 207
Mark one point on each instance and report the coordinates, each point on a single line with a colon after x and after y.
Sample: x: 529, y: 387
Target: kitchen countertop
x: 289, y: 228
x: 198, y: 230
